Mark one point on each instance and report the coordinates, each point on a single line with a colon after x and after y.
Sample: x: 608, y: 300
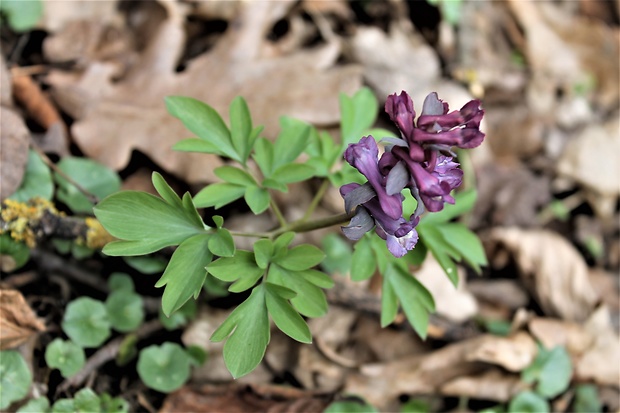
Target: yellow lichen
x: 96, y: 236
x: 20, y: 217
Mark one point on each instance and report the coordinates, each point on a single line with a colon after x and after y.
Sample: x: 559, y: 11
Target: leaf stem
x: 316, y: 200
x: 277, y: 212
x: 299, y: 226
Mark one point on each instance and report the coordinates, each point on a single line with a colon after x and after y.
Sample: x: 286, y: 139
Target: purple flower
x: 364, y: 157
x: 400, y: 234
x: 400, y: 109
x: 449, y: 177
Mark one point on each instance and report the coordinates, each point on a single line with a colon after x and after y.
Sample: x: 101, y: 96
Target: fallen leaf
x: 552, y: 333
x: 14, y: 139
x: 116, y: 118
x: 17, y: 320
x: 56, y: 14
x: 552, y: 269
x: 493, y: 384
x: 501, y: 292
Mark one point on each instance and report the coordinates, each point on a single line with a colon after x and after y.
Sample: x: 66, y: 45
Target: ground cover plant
x: 309, y: 206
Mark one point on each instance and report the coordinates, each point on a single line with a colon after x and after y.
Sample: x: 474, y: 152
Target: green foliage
x: 86, y: 322
x: 179, y: 318
x: 415, y: 406
x: 338, y: 254
x: 22, y: 15
x: 38, y: 405
x: 528, y: 402
x: 551, y: 370
x: 449, y: 241
x: 586, y: 399
x: 65, y: 356
x: 84, y: 401
x: 146, y: 264
x: 90, y: 175
x: 450, y: 9
x: 18, y: 251
x: 358, y: 113
x: 15, y: 378
x: 37, y: 181
x: 164, y: 368
x: 125, y: 310
x: 350, y: 406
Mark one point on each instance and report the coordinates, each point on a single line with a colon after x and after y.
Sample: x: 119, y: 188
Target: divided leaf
x: 185, y: 273
x: 241, y: 268
x: 301, y: 257
x: 218, y: 195
x: 286, y: 318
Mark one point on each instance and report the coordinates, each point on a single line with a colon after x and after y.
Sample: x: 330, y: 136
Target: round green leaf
x: 37, y: 180
x: 86, y: 401
x: 528, y: 402
x: 257, y: 199
x: 120, y: 281
x: 38, y: 405
x: 17, y: 251
x: 555, y: 373
x: 65, y: 356
x: 586, y: 399
x: 86, y: 322
x: 125, y: 310
x: 64, y: 406
x: 164, y: 368
x: 15, y: 378
x: 90, y: 175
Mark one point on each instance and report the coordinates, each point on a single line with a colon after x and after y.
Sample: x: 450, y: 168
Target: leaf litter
x: 551, y: 95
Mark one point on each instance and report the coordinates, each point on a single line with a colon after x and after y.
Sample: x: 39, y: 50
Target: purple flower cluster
x: 421, y: 161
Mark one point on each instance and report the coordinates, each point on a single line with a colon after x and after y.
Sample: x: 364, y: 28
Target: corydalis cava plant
x: 421, y: 160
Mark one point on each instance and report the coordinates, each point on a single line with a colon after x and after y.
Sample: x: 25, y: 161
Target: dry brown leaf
x: 382, y: 382
x: 501, y: 292
x: 582, y: 162
x: 57, y: 13
x: 552, y: 332
x: 14, y: 140
x: 553, y: 269
x: 493, y: 384
x: 17, y: 320
x: 114, y: 119
x: 601, y: 362
x: 456, y: 304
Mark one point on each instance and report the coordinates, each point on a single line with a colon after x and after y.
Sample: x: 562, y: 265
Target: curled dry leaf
x: 17, y: 320
x: 582, y: 162
x: 426, y: 373
x: 116, y: 118
x: 493, y: 384
x: 14, y: 140
x: 552, y: 269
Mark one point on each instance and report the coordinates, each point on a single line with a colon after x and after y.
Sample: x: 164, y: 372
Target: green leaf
x: 22, y: 15
x: 318, y: 278
x: 218, y: 195
x: 37, y: 181
x: 125, y: 310
x: 284, y: 315
x: 293, y: 172
x: 257, y: 199
x: 64, y: 406
x: 586, y: 399
x: 291, y: 141
x: 273, y: 184
x: 179, y: 318
x: 338, y: 254
x: 528, y: 402
x: 414, y: 298
x: 241, y: 127
x: 301, y: 257
x: 165, y: 191
x: 17, y: 251
x: 282, y: 242
x: 247, y: 329
x: 357, y: 114
x: 310, y: 300
x: 263, y: 251
x: 551, y: 369
x: 185, y: 273
x: 113, y: 404
x: 415, y: 406
x: 463, y: 202
x: 86, y: 401
x: 191, y: 212
x: 15, y: 378
x: 197, y: 145
x: 119, y: 281
x: 350, y: 407
x: 234, y: 175
x: 389, y: 303
x: 138, y: 216
x: 131, y: 248
x: 38, y: 405
x: 94, y: 177
x: 241, y: 268
x: 86, y: 322
x: 221, y: 243
x: 204, y: 121
x: 363, y: 261
x: 264, y: 155
x: 435, y: 242
x: 147, y: 264
x: 466, y: 243
x: 65, y: 356
x: 416, y: 256
x: 164, y: 368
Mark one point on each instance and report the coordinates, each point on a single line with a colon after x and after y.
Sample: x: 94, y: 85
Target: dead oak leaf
x: 118, y: 118
x: 17, y: 320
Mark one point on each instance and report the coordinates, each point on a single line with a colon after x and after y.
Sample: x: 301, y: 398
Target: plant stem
x: 300, y: 226
x: 277, y: 212
x: 249, y: 234
x: 316, y: 200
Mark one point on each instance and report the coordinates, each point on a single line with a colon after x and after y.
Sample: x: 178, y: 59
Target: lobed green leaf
x: 284, y: 315
x: 301, y: 257
x: 218, y: 195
